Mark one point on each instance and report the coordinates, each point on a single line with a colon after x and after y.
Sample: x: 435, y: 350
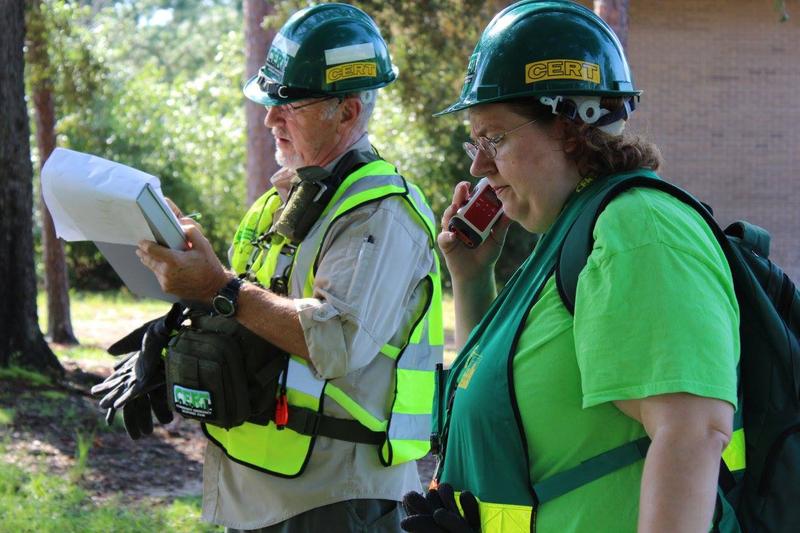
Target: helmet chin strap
x: 587, y: 109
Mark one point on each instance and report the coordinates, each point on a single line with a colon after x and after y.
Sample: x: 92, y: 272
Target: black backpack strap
x: 579, y: 241
x: 311, y: 423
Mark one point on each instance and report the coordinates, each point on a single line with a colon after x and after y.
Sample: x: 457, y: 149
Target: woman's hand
x: 471, y: 270
x: 466, y: 264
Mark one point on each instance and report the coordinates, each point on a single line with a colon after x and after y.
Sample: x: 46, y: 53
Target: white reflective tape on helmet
x: 346, y: 54
x: 285, y: 45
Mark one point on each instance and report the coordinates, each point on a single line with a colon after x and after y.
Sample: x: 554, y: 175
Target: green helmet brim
x: 253, y: 91
x: 462, y: 104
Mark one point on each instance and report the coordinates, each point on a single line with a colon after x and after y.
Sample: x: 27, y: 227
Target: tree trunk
x: 59, y: 323
x: 261, y: 162
x: 21, y: 340
x: 615, y: 13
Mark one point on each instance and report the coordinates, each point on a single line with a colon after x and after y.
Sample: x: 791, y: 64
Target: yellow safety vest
x: 285, y: 452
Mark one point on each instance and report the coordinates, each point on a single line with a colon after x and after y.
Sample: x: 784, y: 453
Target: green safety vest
x: 285, y: 452
x: 506, y: 495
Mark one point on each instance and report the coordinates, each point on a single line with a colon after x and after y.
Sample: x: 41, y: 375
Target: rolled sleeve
x: 370, y: 264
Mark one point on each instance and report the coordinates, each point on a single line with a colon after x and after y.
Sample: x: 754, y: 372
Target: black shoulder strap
x: 579, y: 240
x: 308, y: 422
x: 317, y: 187
x: 349, y: 163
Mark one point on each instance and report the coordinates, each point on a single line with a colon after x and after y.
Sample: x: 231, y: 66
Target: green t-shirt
x: 655, y: 313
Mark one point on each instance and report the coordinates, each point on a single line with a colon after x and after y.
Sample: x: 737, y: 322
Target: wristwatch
x: 224, y: 303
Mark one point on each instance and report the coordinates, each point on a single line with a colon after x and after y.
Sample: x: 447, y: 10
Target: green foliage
x: 164, y: 99
x: 80, y: 353
x: 100, y: 318
x: 156, y: 84
x: 6, y: 416
x: 23, y: 374
x: 83, y: 444
x: 51, y: 504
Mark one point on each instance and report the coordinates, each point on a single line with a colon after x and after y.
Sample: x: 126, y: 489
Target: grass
x: 98, y: 319
x: 22, y: 374
x: 101, y: 318
x: 6, y: 415
x: 51, y: 504
x: 33, y: 500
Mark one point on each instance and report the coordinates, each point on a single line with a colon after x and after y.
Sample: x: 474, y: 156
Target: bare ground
x: 50, y: 420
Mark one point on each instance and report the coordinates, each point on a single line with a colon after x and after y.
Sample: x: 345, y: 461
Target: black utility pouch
x: 203, y: 370
x: 221, y: 373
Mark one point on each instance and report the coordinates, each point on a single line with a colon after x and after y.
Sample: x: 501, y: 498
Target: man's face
x: 306, y: 132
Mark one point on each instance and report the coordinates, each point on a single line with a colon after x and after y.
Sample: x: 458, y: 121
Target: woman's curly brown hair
x: 595, y: 152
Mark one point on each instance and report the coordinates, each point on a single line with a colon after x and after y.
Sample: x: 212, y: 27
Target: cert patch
x: 562, y: 69
x: 192, y: 402
x: 360, y: 69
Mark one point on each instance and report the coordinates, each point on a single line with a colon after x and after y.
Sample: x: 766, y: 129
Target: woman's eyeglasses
x: 488, y: 145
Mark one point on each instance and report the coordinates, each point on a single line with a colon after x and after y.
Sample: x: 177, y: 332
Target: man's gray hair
x: 368, y: 99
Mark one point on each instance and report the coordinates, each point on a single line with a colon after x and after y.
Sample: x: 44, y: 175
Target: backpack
x: 764, y: 490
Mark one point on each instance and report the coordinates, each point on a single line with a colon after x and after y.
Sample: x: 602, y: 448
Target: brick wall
x: 722, y: 101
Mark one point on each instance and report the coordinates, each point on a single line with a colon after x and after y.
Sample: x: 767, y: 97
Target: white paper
x: 93, y: 199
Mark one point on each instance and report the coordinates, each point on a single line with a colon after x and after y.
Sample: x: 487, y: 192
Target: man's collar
x: 362, y: 144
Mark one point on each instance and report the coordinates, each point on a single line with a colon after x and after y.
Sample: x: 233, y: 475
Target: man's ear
x: 351, y: 110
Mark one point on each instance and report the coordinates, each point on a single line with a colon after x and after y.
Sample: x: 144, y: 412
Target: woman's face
x: 530, y: 173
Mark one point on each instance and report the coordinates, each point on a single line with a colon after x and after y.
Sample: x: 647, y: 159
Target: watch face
x: 223, y: 306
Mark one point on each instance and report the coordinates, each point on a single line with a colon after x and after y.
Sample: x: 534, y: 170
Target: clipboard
x: 161, y: 219
x: 167, y: 232
x: 113, y: 205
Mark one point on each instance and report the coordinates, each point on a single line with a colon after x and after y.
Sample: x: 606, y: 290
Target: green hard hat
x: 545, y: 48
x: 323, y: 50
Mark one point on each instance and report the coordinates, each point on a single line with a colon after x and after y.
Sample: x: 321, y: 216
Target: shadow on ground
x: 48, y: 422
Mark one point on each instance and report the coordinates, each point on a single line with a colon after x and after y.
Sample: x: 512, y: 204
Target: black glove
x: 437, y: 512
x: 137, y: 385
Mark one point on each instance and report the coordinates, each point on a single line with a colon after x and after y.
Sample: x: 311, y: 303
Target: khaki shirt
x: 367, y: 292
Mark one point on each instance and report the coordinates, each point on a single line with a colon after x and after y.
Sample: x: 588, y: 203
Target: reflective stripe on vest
x: 409, y: 425
x: 734, y: 455
x: 501, y: 517
x: 255, y: 223
x: 285, y: 452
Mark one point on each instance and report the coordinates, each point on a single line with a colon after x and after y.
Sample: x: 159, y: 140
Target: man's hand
x: 437, y: 512
x: 192, y: 275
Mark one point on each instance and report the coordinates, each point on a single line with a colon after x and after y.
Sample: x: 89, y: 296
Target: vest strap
x: 591, y: 469
x: 311, y: 423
